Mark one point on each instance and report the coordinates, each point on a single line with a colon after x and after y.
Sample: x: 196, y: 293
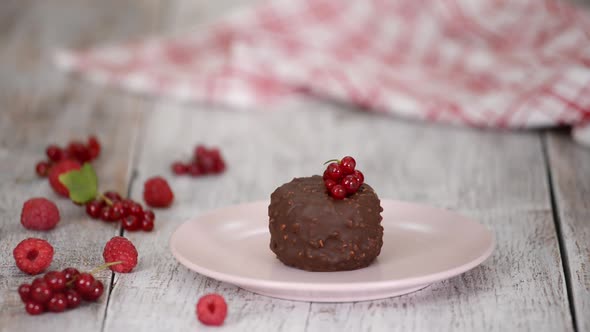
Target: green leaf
x: 82, y: 183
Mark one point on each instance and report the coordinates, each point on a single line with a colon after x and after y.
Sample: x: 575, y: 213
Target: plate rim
x: 310, y: 286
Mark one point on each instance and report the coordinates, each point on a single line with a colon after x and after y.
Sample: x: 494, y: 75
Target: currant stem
x: 95, y: 270
x: 103, y: 267
x: 107, y: 200
x: 332, y: 160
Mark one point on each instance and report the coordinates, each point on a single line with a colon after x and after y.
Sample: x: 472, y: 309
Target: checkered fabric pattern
x: 483, y: 63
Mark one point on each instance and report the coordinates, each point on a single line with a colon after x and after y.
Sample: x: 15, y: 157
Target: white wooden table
x: 532, y: 189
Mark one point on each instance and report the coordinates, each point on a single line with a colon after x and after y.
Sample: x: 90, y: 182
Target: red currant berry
x: 65, y: 154
x: 93, y: 208
x: 106, y: 213
x: 119, y: 210
x: 326, y: 176
x: 195, y: 170
x: 149, y: 214
x: 57, y: 303
x: 24, y: 291
x: 351, y: 184
x: 34, y: 308
x: 359, y: 175
x: 200, y: 150
x: 40, y: 291
x: 135, y: 209
x: 329, y: 184
x: 127, y: 203
x: 219, y: 166
x: 338, y: 192
x: 70, y: 274
x: 347, y: 164
x: 54, y: 153
x: 95, y: 292
x: 147, y: 224
x: 179, y: 168
x: 42, y: 168
x: 112, y: 195
x: 56, y: 280
x: 214, y: 153
x: 207, y: 163
x: 334, y: 172
x: 73, y: 298
x: 115, y: 214
x: 84, y: 284
x: 79, y: 151
x: 93, y: 147
x: 131, y: 223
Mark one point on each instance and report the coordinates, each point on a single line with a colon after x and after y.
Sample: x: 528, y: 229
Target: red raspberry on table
x: 58, y: 169
x: 33, y: 255
x: 211, y: 309
x: 39, y: 214
x: 120, y: 249
x: 157, y: 192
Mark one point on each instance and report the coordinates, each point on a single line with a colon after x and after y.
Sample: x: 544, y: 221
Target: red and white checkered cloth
x: 484, y: 63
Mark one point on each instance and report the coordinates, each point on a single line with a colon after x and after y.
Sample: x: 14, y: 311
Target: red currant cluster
x: 112, y: 208
x: 57, y: 291
x: 75, y: 150
x: 205, y: 161
x: 342, y: 179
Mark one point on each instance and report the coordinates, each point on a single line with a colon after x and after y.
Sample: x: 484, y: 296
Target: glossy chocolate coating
x: 312, y: 231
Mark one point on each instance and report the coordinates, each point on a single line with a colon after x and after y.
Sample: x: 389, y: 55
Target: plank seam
x: 560, y: 238
x: 132, y: 176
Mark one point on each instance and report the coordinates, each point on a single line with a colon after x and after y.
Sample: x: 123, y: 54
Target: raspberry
x: 58, y: 169
x: 211, y: 309
x: 120, y: 249
x: 157, y: 192
x: 39, y: 214
x: 33, y: 255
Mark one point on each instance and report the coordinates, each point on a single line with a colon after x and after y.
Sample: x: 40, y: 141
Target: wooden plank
x: 570, y: 169
x: 497, y: 178
x: 40, y: 106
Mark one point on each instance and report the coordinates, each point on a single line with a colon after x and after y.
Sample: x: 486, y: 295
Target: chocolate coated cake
x: 312, y: 231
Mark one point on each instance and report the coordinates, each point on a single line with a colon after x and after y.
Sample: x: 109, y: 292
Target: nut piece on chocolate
x: 312, y: 231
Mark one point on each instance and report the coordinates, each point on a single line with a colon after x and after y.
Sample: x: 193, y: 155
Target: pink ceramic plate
x: 422, y: 245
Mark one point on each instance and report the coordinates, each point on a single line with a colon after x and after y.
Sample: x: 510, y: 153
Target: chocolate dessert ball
x: 312, y: 231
